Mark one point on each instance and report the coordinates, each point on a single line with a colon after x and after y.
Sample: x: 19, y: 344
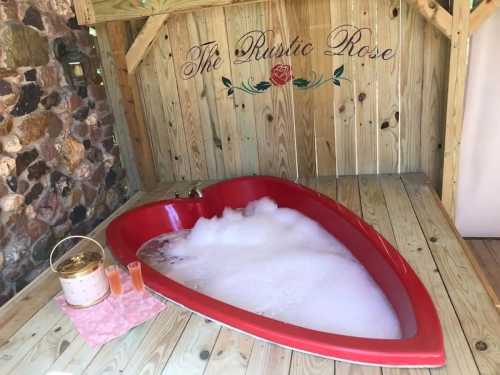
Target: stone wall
x: 59, y: 165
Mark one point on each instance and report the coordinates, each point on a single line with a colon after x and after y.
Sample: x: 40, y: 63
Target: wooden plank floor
x: 485, y: 257
x: 36, y: 338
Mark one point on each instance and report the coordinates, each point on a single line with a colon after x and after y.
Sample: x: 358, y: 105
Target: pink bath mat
x: 114, y: 316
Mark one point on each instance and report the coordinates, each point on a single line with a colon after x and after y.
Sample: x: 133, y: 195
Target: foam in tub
x: 414, y: 340
x: 277, y: 263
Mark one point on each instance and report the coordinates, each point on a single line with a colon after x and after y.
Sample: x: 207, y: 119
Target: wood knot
x: 395, y: 12
x: 481, y: 346
x: 342, y: 108
x: 237, y: 52
x: 270, y: 118
x: 396, y: 116
x: 204, y: 354
x: 361, y: 97
x: 218, y: 143
x: 432, y: 5
x: 64, y: 345
x: 384, y: 125
x: 433, y: 239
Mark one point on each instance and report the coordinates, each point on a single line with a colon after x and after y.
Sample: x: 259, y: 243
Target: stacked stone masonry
x: 60, y: 169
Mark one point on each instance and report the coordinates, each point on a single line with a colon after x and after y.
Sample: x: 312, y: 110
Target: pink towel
x: 114, y: 316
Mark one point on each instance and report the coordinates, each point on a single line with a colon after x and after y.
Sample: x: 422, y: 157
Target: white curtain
x: 478, y: 194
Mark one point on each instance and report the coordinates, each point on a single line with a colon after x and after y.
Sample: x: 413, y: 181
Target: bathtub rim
x: 424, y: 349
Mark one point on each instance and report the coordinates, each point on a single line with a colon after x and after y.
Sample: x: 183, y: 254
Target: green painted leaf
x: 227, y: 82
x: 301, y: 82
x: 338, y: 72
x: 263, y: 85
x: 230, y: 92
x: 336, y: 82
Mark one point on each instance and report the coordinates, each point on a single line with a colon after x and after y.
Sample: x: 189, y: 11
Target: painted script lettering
x: 255, y: 45
x: 201, y: 59
x: 350, y: 40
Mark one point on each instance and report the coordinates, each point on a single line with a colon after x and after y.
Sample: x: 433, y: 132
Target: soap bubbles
x: 278, y: 263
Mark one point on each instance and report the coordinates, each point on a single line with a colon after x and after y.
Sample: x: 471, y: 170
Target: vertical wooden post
x: 141, y: 146
x: 455, y: 106
x: 114, y: 98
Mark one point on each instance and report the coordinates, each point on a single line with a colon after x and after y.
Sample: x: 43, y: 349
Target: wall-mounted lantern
x: 75, y: 63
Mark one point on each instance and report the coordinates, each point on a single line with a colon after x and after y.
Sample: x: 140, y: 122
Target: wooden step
x: 486, y: 261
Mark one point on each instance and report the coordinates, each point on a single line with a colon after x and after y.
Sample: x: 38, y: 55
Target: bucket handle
x: 68, y: 238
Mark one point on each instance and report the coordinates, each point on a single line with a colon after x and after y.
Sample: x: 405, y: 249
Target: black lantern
x: 75, y: 63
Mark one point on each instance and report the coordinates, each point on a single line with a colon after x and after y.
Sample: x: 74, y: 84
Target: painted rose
x: 281, y: 74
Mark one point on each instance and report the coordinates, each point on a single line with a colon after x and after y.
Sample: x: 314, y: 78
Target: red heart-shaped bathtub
x: 422, y: 342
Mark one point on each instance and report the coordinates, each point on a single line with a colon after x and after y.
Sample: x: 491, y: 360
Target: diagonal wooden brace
x: 144, y: 40
x: 435, y: 14
x: 481, y: 13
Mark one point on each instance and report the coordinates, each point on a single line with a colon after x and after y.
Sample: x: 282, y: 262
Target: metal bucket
x: 82, y: 276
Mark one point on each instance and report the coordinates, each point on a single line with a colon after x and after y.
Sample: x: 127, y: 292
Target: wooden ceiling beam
x: 95, y: 11
x: 90, y: 12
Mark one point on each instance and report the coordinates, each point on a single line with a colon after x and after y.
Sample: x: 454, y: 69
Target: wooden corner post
x: 456, y: 101
x: 134, y: 116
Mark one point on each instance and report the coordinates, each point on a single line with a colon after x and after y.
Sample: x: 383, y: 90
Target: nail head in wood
x: 204, y: 354
x: 481, y: 346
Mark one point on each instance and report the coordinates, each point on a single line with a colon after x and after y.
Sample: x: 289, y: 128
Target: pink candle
x: 113, y: 274
x: 134, y: 269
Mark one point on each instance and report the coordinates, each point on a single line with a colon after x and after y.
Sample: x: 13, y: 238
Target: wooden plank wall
x: 387, y: 116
